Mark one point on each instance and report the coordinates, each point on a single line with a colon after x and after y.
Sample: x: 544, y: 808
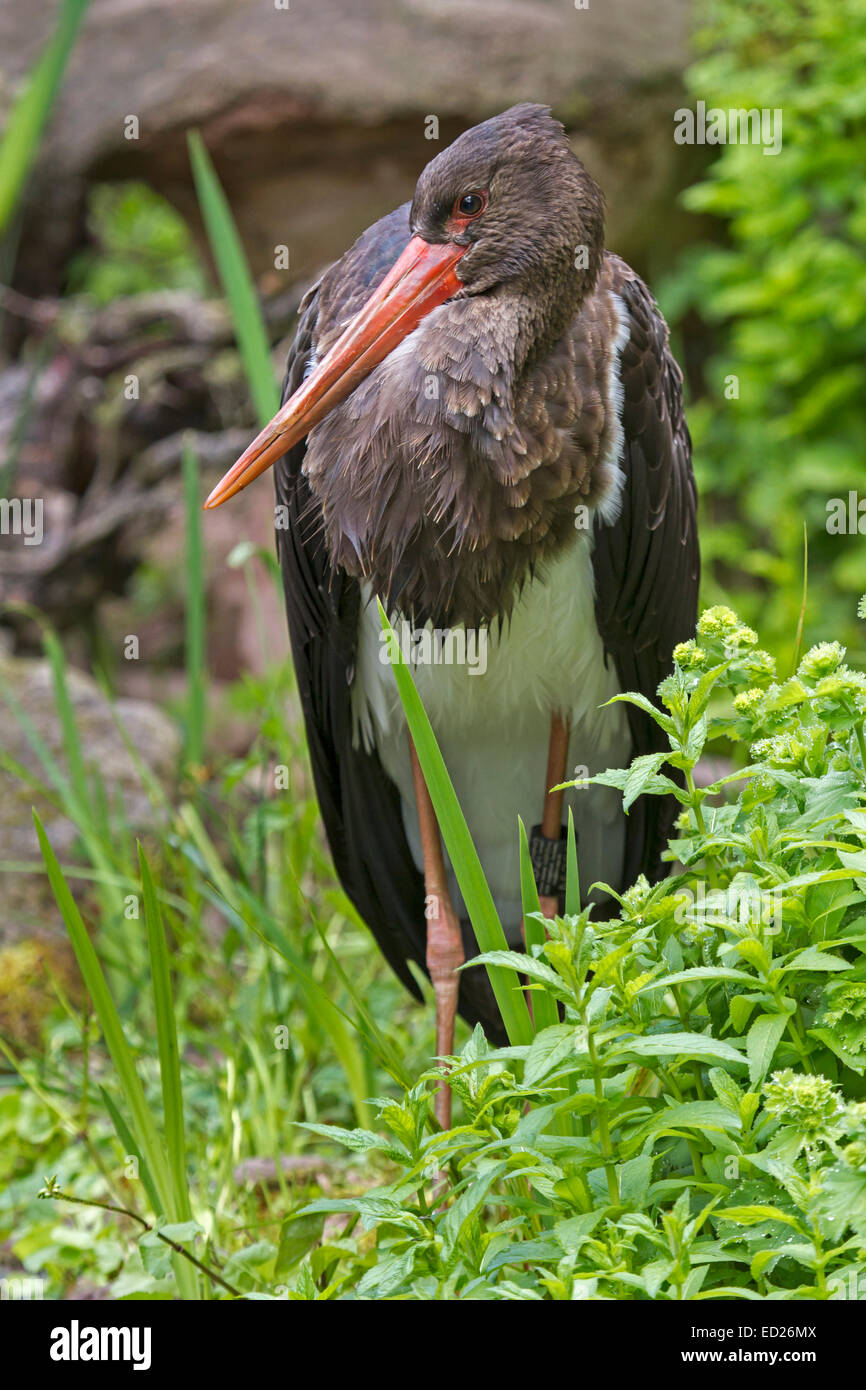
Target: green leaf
x: 755, y: 952
x: 572, y: 874
x: 753, y: 1215
x: 181, y: 1231
x: 762, y: 1040
x: 641, y: 777
x: 387, y: 1275
x: 764, y: 1262
x: 298, y: 1234
x: 726, y: 1089
x: 704, y: 1115
x: 680, y: 1045
x: 155, y: 1255
x: 813, y: 959
x: 528, y: 965
x: 575, y: 1230
x: 842, y: 1200
x: 634, y: 1179
x: 831, y: 1041
x: 358, y: 1140
x: 631, y: 697
x: 530, y: 1252
x: 459, y: 1217
x: 698, y: 972
x: 371, y: 1209
x: 740, y: 1009
x: 548, y: 1049
x: 131, y: 1150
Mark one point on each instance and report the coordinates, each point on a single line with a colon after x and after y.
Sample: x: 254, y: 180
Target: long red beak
x: 422, y: 278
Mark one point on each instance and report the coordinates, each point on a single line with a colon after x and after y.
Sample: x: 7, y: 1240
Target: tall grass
x: 30, y: 112
x: 236, y: 281
x: 195, y: 723
x: 166, y: 1172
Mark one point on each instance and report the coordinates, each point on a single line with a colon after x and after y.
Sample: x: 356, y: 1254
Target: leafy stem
x: 601, y: 1113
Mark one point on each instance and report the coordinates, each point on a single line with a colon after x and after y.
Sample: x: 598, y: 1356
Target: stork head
x: 513, y: 194
x: 506, y: 209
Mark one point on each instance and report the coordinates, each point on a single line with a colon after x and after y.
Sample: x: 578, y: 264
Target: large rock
x: 28, y: 906
x: 315, y: 113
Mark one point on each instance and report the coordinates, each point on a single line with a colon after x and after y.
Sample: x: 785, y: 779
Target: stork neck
x: 544, y: 311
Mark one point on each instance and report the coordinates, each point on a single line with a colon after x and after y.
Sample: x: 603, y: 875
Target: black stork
x: 483, y: 425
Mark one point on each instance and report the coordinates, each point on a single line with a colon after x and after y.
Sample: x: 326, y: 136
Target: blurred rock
x: 29, y: 909
x: 315, y: 113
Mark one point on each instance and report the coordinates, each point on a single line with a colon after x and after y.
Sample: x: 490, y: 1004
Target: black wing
x: 360, y: 805
x: 647, y: 563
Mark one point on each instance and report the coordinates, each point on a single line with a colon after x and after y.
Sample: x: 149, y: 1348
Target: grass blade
x: 236, y: 280
x: 73, y: 792
x: 130, y: 1148
x: 461, y: 851
x: 572, y: 875
x: 143, y: 1126
x: 252, y: 913
x: 798, y: 639
x: 166, y: 1035
x: 196, y: 709
x: 68, y: 725
x: 30, y: 112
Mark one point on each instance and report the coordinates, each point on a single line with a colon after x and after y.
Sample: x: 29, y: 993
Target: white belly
x: 493, y: 726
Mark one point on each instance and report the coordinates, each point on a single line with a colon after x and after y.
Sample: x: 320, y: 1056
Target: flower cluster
x: 723, y: 640
x: 821, y: 660
x: 811, y: 1104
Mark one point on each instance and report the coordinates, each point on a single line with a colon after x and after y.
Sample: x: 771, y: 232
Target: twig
x: 57, y: 1195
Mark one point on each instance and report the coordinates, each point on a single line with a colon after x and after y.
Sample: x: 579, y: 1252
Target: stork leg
x: 444, y: 937
x: 551, y: 819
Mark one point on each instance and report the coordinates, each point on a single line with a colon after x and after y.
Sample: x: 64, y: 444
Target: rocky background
x: 315, y: 114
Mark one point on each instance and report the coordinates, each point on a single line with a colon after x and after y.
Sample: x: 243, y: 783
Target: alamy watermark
x: 22, y: 516
x: 716, y: 126
x: 77, y: 1343
x: 17, y: 1288
x: 846, y: 516
x: 435, y: 646
x: 746, y: 903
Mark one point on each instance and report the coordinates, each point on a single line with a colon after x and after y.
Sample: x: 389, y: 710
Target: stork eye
x: 470, y: 205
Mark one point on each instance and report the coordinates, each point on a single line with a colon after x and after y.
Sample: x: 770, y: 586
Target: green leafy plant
x: 692, y: 1125
x: 778, y: 419
x: 137, y: 244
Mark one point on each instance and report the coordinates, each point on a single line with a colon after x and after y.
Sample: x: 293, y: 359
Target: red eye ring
x: 469, y: 205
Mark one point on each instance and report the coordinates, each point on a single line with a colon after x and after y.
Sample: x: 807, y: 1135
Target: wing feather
x: 647, y: 563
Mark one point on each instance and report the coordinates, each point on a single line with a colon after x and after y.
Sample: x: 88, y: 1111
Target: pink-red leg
x: 444, y: 938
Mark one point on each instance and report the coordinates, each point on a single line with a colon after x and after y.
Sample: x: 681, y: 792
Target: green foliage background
x: 786, y: 297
